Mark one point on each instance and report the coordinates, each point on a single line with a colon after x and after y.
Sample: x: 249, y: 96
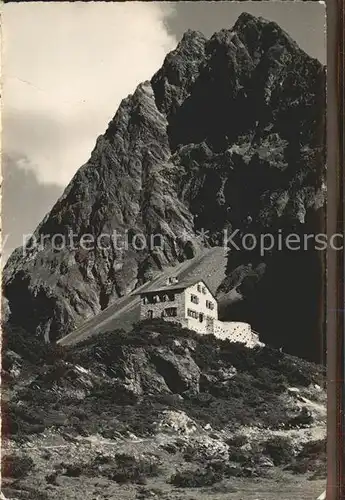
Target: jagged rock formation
x: 229, y: 134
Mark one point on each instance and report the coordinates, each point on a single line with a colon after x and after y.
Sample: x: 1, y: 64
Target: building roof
x: 180, y: 285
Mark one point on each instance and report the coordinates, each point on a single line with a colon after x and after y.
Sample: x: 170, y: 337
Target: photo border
x: 335, y: 353
x: 333, y: 344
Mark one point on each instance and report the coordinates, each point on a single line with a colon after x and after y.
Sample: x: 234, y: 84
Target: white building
x: 193, y: 306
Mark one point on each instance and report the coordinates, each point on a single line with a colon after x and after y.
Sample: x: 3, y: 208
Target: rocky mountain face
x: 228, y: 135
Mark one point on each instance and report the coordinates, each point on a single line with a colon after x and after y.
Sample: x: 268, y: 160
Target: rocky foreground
x: 160, y: 413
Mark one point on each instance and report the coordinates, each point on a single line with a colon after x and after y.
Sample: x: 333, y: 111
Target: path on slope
x: 208, y: 265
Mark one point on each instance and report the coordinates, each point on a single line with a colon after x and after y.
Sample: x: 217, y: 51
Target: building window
x: 194, y: 299
x: 150, y: 314
x: 171, y: 297
x: 203, y: 290
x: 199, y: 288
x: 170, y: 312
x: 201, y: 317
x: 209, y: 305
x: 192, y: 314
x: 157, y: 298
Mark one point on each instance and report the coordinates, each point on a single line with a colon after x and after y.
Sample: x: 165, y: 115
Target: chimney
x: 171, y: 280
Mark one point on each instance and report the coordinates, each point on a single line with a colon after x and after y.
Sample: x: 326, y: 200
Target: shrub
x: 16, y: 466
x: 51, y: 478
x: 195, y: 478
x: 313, y: 449
x: 214, y: 472
x: 29, y: 347
x: 225, y: 469
x: 25, y: 493
x: 238, y: 455
x: 122, y: 468
x: 170, y: 448
x: 129, y: 469
x: 237, y: 440
x: 73, y: 471
x: 246, y: 458
x: 279, y: 449
x: 312, y: 458
x: 304, y: 418
x: 145, y: 493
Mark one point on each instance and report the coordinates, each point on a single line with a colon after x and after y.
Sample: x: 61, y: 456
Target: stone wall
x: 236, y: 331
x: 159, y: 307
x: 195, y: 325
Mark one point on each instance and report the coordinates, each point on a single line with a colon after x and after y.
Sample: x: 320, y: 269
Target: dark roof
x: 180, y: 285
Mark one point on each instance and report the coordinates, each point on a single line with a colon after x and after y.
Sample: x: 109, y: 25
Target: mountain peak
x: 246, y: 18
x: 258, y: 32
x: 192, y: 35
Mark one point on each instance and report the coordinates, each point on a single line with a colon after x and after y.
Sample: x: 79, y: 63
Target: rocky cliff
x: 228, y: 135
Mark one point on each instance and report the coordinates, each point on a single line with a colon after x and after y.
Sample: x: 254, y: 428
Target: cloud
x: 24, y: 202
x: 67, y: 66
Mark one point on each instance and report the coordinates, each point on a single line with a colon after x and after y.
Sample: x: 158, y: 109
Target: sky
x: 67, y: 66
